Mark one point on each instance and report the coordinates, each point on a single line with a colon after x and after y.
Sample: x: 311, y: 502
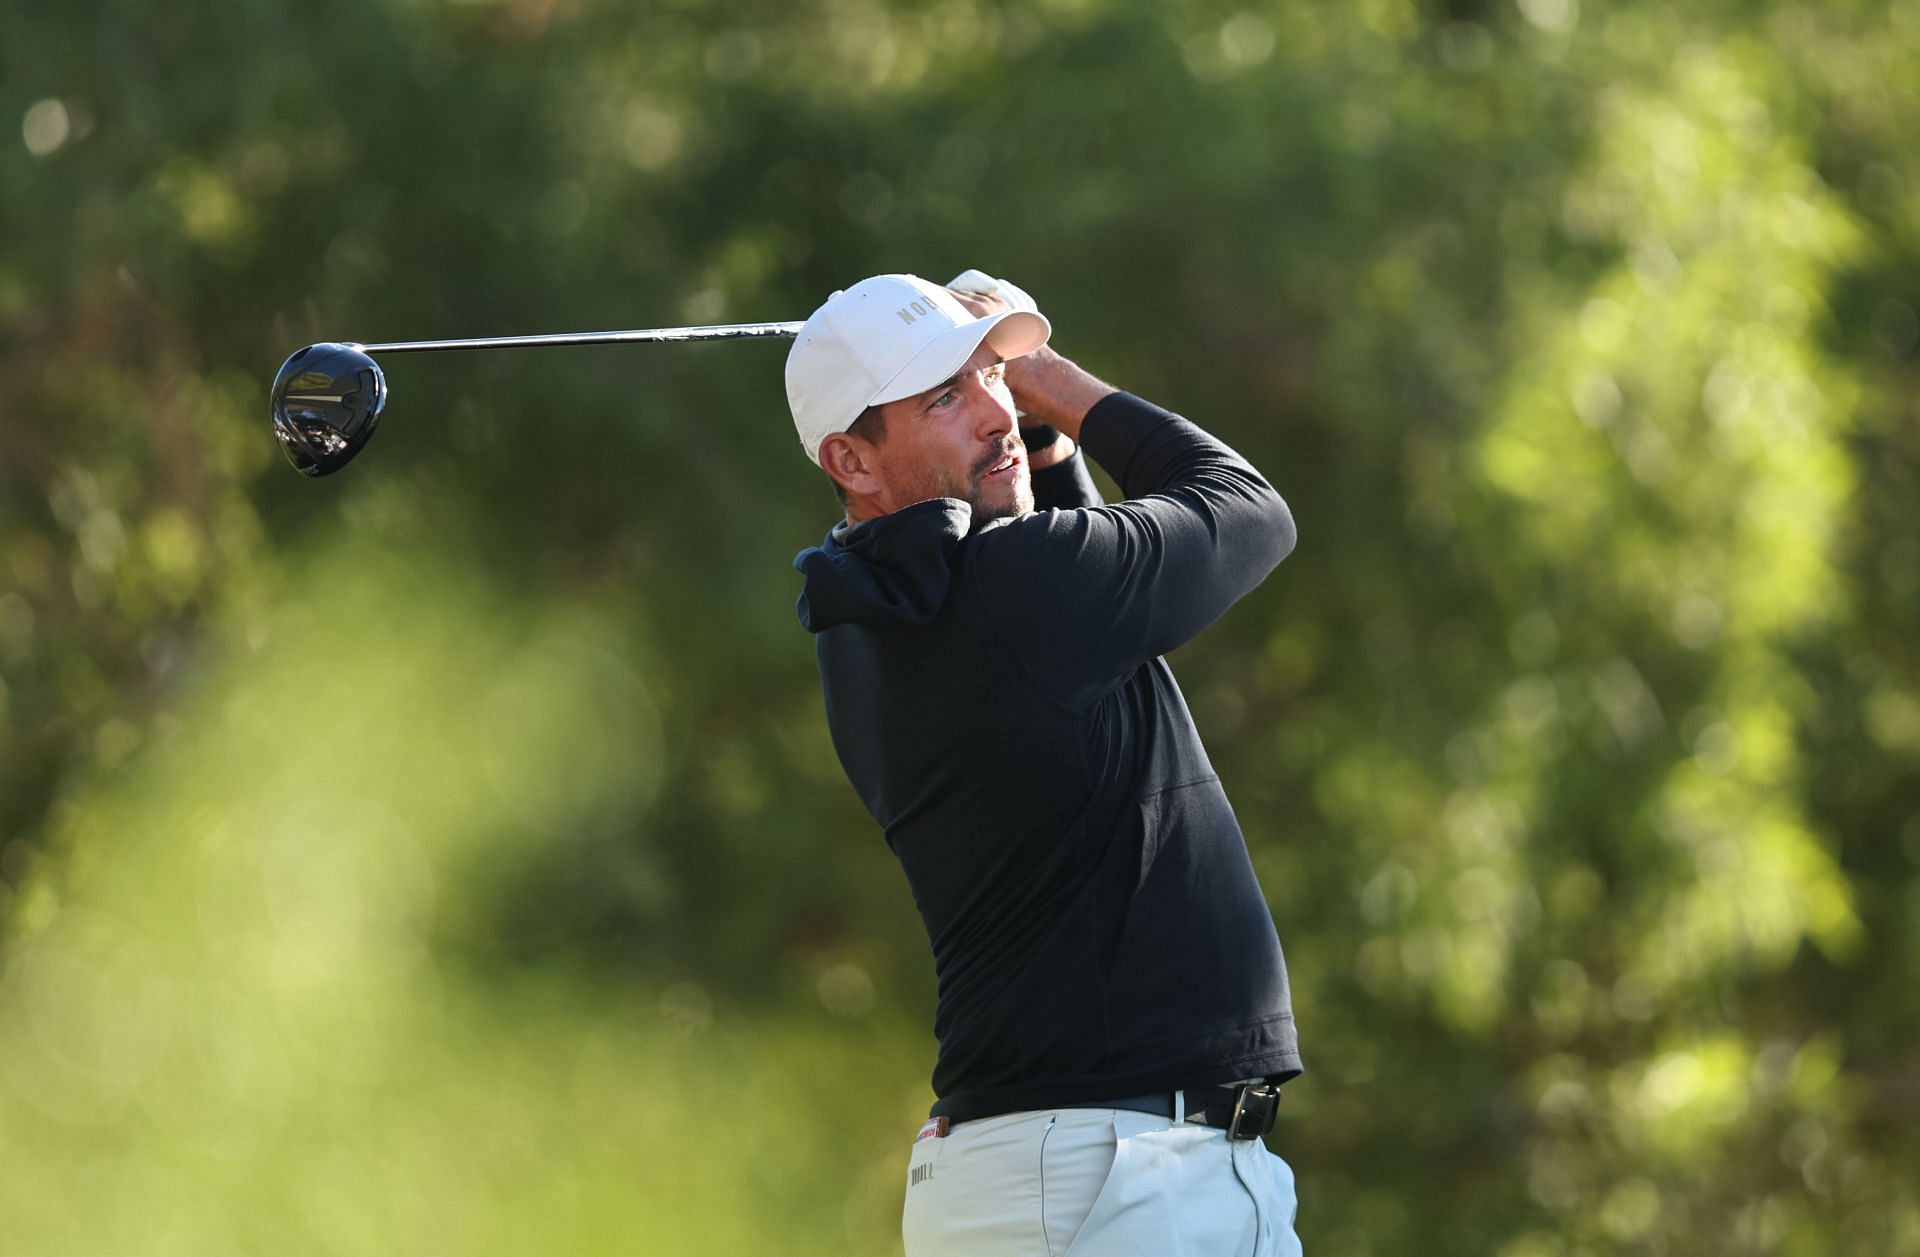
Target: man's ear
x: 851, y: 463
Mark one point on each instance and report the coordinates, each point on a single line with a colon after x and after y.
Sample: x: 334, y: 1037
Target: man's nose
x: 996, y: 413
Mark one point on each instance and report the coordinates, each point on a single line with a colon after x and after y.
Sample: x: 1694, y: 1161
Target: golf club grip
x: 725, y: 331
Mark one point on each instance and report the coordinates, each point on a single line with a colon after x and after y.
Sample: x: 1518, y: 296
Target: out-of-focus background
x: 449, y: 856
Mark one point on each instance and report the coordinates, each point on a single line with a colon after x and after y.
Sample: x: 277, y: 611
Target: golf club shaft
x: 724, y: 331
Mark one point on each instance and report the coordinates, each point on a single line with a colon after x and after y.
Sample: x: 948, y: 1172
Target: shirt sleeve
x: 1086, y: 596
x: 1065, y: 485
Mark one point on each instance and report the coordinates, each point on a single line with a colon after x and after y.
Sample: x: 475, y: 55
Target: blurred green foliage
x: 449, y: 855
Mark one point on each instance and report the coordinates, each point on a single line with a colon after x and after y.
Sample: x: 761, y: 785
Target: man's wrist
x: 1053, y: 390
x: 1046, y: 446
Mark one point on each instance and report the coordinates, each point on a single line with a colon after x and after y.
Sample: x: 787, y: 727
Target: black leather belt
x: 1244, y: 1110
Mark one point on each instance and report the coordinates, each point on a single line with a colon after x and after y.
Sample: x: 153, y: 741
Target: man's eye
x: 944, y: 398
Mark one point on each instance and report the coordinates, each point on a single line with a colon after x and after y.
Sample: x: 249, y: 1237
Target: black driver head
x: 326, y: 404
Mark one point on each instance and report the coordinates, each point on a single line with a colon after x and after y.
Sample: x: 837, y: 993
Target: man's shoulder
x: 1055, y: 538
x: 1035, y: 528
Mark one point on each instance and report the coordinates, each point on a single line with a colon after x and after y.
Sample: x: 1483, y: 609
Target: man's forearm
x: 1052, y: 390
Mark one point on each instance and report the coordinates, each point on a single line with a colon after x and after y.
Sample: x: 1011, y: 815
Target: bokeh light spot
x: 45, y: 127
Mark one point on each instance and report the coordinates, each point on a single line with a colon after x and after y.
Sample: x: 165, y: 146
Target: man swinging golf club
x: 1113, y: 1020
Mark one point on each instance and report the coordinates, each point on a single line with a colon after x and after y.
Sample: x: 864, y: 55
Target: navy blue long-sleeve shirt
x: 998, y: 700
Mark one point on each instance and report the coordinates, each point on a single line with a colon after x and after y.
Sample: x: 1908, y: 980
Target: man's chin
x: 1009, y: 499
x: 988, y: 507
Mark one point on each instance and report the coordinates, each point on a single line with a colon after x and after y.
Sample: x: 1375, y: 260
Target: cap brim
x: 1012, y: 333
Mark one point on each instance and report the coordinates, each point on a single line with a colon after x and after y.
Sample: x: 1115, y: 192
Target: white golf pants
x: 1096, y: 1183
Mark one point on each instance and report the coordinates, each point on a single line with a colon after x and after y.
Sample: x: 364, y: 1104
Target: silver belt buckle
x: 1255, y: 1108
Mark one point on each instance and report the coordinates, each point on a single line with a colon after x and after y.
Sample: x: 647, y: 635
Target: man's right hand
x: 1047, y: 388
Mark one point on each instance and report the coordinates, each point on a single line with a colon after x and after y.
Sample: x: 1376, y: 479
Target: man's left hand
x: 981, y: 284
x: 982, y: 295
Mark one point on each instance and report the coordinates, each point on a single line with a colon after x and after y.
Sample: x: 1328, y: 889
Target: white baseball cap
x: 886, y: 338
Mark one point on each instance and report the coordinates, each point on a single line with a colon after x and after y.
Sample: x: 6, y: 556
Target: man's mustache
x: 994, y: 459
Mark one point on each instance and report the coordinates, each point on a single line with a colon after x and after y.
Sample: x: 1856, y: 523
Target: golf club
x: 328, y: 397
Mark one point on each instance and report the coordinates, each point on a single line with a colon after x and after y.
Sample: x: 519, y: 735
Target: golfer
x: 1113, y: 1019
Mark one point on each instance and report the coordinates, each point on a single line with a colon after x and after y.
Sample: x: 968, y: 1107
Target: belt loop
x: 1179, y: 1107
